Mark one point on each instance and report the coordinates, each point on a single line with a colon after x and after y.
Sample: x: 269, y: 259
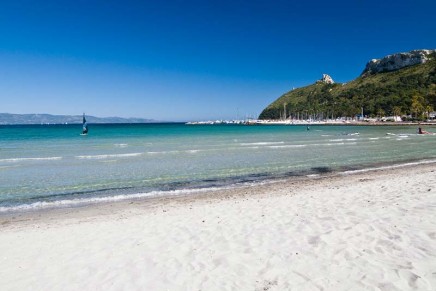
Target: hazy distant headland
x: 8, y: 118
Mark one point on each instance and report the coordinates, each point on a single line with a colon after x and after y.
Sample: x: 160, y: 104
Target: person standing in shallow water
x: 421, y: 131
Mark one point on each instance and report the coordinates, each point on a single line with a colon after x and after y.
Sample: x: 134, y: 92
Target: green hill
x: 410, y: 90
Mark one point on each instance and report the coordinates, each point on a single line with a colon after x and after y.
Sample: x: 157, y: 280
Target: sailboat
x: 84, y: 126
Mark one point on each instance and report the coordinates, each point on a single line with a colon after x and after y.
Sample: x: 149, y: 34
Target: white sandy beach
x: 366, y: 231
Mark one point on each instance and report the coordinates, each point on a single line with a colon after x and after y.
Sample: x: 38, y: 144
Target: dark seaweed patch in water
x: 289, y: 174
x: 322, y: 170
x: 259, y: 175
x: 210, y: 180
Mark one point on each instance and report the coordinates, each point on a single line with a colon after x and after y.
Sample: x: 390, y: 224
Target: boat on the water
x: 84, y: 126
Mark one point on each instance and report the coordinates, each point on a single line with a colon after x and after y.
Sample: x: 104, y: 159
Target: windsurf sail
x: 84, y: 125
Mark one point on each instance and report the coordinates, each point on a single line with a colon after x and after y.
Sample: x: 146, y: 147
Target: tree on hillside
x: 380, y: 113
x: 417, y: 106
x: 428, y: 109
x: 396, y: 111
x: 431, y: 95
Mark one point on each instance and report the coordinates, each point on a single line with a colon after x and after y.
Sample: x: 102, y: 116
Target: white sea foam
x: 95, y: 200
x: 100, y: 157
x: 342, y: 139
x: 122, y: 197
x: 328, y: 144
x: 30, y: 159
x: 163, y: 152
x: 334, y: 144
x: 262, y: 143
x: 312, y: 175
x: 423, y: 162
x: 374, y: 138
x: 288, y: 146
x: 121, y: 145
x: 192, y: 151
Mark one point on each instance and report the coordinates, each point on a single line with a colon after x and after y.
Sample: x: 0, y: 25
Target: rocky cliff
x: 397, y: 61
x: 326, y: 79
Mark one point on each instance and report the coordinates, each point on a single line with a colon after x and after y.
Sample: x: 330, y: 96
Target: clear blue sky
x: 191, y: 60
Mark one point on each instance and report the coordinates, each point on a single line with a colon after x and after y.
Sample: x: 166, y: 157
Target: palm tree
x: 428, y: 109
x: 396, y: 110
x: 417, y: 105
x: 380, y: 113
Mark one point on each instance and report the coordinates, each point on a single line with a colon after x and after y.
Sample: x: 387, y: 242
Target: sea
x: 48, y: 166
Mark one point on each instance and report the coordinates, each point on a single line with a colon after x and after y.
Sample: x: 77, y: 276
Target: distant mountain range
x: 398, y: 84
x: 8, y: 118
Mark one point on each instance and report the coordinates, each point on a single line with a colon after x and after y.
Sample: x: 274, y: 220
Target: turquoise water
x: 43, y: 165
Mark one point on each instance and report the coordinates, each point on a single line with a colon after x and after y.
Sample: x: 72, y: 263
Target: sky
x: 192, y: 60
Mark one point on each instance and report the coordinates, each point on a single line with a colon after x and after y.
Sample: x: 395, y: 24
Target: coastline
x: 358, y: 230
x: 312, y: 122
x: 238, y: 183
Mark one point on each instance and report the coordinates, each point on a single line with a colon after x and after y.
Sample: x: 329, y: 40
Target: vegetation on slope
x: 408, y: 91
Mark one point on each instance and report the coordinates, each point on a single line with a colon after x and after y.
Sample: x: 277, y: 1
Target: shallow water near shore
x: 52, y: 165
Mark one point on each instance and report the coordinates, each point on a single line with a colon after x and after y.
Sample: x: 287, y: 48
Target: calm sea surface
x: 51, y: 165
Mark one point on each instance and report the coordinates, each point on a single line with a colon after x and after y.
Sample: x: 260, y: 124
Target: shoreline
x: 313, y: 122
x: 358, y: 231
x: 212, y: 194
x: 304, y: 177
